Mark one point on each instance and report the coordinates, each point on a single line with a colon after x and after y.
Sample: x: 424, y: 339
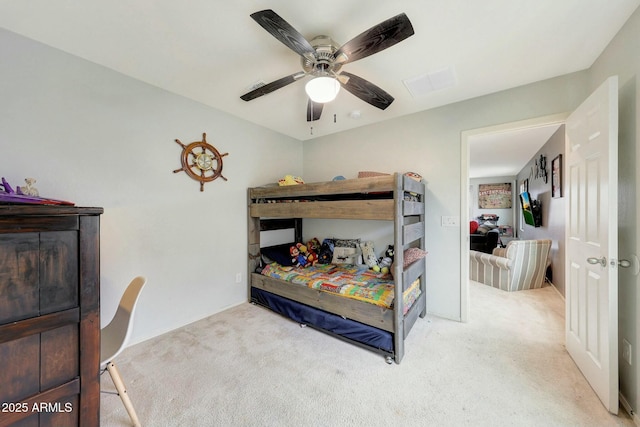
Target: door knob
x: 633, y: 263
x: 593, y: 260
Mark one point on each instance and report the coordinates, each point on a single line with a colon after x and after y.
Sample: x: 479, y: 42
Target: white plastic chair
x: 114, y: 338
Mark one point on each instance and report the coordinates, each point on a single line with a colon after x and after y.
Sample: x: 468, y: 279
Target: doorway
x: 482, y: 134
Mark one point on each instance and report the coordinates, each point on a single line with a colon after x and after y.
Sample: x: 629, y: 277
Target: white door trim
x: 465, y: 136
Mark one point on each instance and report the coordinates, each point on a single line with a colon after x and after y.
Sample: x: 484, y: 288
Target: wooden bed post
x: 298, y: 229
x: 398, y: 269
x: 253, y: 236
x: 423, y: 280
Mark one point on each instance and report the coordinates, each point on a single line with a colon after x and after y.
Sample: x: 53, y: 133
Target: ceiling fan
x: 322, y: 59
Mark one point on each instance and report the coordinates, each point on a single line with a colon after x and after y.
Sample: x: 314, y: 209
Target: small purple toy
x: 9, y: 195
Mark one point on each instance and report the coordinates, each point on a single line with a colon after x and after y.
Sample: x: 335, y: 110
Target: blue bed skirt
x: 350, y: 330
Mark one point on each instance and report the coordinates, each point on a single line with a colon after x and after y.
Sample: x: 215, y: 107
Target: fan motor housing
x: 324, y: 59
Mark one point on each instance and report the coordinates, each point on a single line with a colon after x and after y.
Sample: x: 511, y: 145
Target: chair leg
x: 122, y: 392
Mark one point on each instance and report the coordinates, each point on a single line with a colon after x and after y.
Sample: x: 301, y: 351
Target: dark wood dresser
x: 49, y: 316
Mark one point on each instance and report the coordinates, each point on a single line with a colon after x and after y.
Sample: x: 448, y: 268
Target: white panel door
x: 591, y: 172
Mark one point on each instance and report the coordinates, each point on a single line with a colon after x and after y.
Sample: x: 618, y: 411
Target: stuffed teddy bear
x: 29, y: 189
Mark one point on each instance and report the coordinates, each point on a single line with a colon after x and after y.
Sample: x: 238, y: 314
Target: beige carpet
x: 250, y: 367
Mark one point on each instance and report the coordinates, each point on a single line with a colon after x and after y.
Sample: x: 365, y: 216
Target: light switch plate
x: 450, y: 221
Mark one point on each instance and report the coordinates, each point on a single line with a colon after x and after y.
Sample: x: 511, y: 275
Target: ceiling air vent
x: 426, y: 83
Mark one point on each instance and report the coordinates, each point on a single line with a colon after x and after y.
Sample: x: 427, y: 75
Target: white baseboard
x: 556, y: 289
x: 627, y: 407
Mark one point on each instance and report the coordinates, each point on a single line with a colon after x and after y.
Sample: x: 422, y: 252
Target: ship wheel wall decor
x: 201, y: 161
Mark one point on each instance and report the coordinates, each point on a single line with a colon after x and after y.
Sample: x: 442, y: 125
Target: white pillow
x: 342, y: 255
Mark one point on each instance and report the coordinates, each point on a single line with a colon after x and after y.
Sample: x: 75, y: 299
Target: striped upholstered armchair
x: 521, y: 265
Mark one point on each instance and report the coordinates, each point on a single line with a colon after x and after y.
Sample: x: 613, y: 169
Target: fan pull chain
x: 311, y: 130
x: 334, y: 119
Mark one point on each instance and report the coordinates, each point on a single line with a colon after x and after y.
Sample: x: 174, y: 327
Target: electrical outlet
x: 238, y: 277
x: 626, y: 351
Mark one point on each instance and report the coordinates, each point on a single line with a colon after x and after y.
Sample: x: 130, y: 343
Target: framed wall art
x: 556, y: 177
x: 494, y: 196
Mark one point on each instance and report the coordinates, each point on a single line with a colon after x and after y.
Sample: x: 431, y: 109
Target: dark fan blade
x: 314, y: 110
x: 366, y: 91
x: 280, y: 29
x: 375, y: 39
x: 270, y: 87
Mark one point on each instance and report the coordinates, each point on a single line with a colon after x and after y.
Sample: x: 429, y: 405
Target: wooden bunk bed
x: 375, y: 198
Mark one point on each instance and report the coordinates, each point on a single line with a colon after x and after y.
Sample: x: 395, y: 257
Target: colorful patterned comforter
x: 351, y: 281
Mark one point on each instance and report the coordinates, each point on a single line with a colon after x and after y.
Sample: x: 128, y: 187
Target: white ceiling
x: 211, y: 50
x: 506, y: 153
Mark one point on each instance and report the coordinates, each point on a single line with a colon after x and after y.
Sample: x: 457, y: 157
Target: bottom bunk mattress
x: 346, y: 328
x: 350, y: 281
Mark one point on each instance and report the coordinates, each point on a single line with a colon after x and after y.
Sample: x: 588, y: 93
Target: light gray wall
x: 98, y: 138
x: 621, y: 58
x: 553, y: 209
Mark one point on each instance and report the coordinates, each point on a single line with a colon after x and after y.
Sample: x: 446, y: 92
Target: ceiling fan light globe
x: 322, y: 89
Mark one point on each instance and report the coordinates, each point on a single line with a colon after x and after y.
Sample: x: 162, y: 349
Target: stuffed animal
x: 298, y: 257
x: 385, y: 262
x: 369, y: 254
x: 312, y: 258
x: 326, y: 251
x: 389, y: 252
x: 313, y: 247
x: 29, y: 189
x: 301, y: 256
x: 290, y: 180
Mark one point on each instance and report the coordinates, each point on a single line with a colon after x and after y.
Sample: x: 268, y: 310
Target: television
x: 531, y: 210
